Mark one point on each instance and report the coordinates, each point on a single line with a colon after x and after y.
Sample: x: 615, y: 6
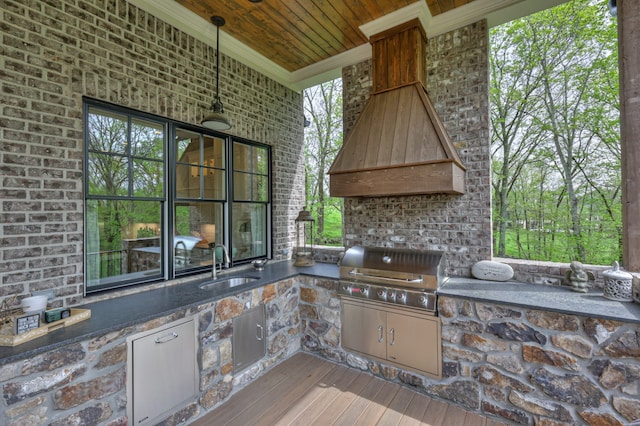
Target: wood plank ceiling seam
x: 298, y: 33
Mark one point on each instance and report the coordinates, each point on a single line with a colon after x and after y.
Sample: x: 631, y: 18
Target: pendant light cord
x: 217, y: 62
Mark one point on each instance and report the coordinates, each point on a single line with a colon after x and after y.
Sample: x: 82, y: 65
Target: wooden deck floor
x: 306, y: 390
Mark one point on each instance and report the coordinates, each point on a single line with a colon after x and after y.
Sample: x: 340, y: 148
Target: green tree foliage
x: 555, y: 135
x: 323, y: 139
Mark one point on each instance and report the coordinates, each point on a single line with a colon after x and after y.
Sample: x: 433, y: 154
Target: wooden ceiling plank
x: 434, y: 7
x: 446, y: 5
x: 328, y: 37
x: 247, y: 24
x: 293, y: 32
x: 339, y: 15
x: 298, y: 33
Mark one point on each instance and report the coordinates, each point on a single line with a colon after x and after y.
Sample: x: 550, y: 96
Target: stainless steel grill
x: 396, y: 276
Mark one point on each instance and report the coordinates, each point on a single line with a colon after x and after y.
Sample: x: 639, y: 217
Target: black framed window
x: 159, y: 200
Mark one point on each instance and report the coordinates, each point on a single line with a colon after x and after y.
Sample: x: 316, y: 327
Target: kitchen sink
x: 227, y: 282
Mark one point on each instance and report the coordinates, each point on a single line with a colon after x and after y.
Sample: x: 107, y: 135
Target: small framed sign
x: 26, y: 323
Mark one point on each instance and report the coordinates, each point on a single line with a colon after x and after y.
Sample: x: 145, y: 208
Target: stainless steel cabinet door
x: 163, y: 372
x: 249, y: 338
x: 363, y: 330
x: 414, y: 342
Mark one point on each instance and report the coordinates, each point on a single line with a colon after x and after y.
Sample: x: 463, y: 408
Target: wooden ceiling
x: 298, y: 33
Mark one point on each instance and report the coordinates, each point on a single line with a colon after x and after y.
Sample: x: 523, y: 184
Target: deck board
x: 307, y: 390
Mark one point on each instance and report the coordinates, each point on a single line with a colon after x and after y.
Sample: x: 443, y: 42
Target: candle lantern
x: 303, y: 254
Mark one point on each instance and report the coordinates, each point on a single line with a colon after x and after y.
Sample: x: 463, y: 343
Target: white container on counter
x: 618, y: 284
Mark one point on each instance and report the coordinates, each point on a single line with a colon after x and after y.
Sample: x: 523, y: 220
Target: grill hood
x: 398, y: 144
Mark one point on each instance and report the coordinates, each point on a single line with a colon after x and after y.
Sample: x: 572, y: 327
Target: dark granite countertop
x: 548, y: 298
x: 125, y: 311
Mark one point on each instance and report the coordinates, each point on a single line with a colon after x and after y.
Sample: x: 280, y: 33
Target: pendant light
x: 216, y: 119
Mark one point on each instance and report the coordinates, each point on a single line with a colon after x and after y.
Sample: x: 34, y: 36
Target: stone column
x: 629, y: 63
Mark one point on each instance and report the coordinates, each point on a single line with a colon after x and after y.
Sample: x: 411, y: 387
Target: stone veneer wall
x: 460, y: 225
x: 523, y: 366
x: 56, y: 52
x: 85, y: 383
x: 535, y: 367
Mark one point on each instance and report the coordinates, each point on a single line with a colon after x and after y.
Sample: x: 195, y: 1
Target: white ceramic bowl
x: 34, y: 304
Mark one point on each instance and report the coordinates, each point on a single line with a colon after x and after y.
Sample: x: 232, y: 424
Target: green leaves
x: 555, y: 134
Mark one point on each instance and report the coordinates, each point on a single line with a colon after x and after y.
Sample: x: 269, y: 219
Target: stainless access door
x: 363, y: 329
x: 163, y: 373
x: 414, y: 341
x: 249, y: 337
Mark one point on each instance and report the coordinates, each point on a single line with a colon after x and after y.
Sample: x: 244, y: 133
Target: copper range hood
x: 398, y: 144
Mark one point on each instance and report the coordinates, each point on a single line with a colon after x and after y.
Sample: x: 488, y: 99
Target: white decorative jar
x: 618, y: 284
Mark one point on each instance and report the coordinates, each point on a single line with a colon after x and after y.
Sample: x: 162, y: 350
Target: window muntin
x: 131, y: 235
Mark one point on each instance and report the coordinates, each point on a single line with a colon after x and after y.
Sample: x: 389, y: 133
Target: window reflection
x: 198, y: 225
x: 249, y: 230
x: 199, y: 166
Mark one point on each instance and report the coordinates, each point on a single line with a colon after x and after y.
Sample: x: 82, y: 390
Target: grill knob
x: 422, y: 300
x: 382, y: 294
x: 401, y: 297
x: 364, y: 291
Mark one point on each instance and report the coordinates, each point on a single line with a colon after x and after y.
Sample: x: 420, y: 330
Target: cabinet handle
x: 260, y: 332
x: 380, y: 334
x: 166, y: 338
x: 392, y: 332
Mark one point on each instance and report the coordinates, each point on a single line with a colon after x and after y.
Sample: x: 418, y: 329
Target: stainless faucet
x: 181, y: 260
x: 227, y: 261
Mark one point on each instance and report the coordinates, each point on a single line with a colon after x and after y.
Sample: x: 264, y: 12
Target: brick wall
x: 458, y: 84
x: 53, y: 53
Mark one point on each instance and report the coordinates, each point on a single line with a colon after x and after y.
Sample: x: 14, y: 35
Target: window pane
x: 205, y: 178
x: 198, y: 226
x: 187, y: 147
x: 123, y: 241
x: 148, y: 178
x: 187, y: 181
x: 107, y: 131
x: 213, y: 184
x: 213, y: 152
x: 108, y: 174
x: 260, y: 160
x: 147, y: 139
x: 241, y: 157
x: 249, y: 230
x: 260, y: 188
x: 248, y: 187
x: 241, y: 186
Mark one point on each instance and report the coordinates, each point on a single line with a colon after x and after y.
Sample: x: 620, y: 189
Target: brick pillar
x: 629, y: 63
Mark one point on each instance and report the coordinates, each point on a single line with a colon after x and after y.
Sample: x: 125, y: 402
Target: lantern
x: 303, y: 253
